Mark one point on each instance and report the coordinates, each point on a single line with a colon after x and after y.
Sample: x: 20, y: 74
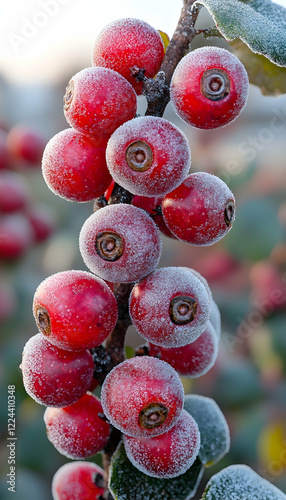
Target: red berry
x: 25, y: 144
x: 148, y: 156
x: 126, y: 43
x: 120, y: 243
x: 152, y: 205
x: 5, y: 158
x: 168, y: 455
x: 170, y: 307
x: 192, y: 360
x: 201, y: 210
x: 42, y: 220
x: 98, y: 100
x: 52, y: 376
x: 75, y: 310
x: 16, y: 236
x: 142, y: 396
x: 209, y: 87
x: 78, y: 481
x: 14, y: 192
x: 77, y: 431
x: 74, y: 166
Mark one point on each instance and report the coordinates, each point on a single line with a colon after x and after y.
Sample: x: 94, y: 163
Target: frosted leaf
x: 139, y: 240
x: 136, y: 384
x: 168, y: 455
x: 150, y: 303
x: 261, y: 24
x: 215, y: 439
x: 240, y: 482
x: 126, y: 481
x: 162, y: 149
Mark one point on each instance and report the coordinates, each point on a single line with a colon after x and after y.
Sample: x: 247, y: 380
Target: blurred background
x: 42, y: 45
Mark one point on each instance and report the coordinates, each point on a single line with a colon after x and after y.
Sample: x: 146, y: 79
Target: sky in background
x: 42, y: 40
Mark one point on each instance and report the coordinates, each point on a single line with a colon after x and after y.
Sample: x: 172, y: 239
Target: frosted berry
x: 192, y: 360
x: 148, y: 156
x: 98, y: 100
x: 152, y: 205
x: 77, y: 431
x: 74, y: 166
x: 26, y: 145
x: 14, y: 192
x: 120, y: 243
x: 142, y: 396
x: 201, y: 210
x: 126, y: 43
x: 170, y: 307
x: 78, y: 481
x: 75, y: 310
x: 168, y: 455
x: 55, y: 377
x: 209, y: 87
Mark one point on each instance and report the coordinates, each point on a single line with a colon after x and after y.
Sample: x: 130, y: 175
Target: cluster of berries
x: 172, y: 308
x: 23, y: 222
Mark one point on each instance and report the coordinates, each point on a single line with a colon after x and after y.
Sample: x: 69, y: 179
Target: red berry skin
x: 78, y: 481
x: 120, y: 243
x: 209, y: 87
x: 77, y: 431
x: 170, y: 307
x: 142, y: 396
x: 74, y: 166
x: 26, y: 145
x: 16, y: 236
x: 152, y: 205
x: 98, y: 101
x: 148, y: 156
x: 200, y: 211
x: 5, y: 157
x: 192, y: 360
x: 168, y: 455
x: 53, y: 376
x: 126, y: 43
x: 14, y: 192
x: 75, y: 310
x: 42, y: 220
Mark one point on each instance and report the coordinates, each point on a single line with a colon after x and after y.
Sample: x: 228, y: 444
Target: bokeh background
x: 42, y: 45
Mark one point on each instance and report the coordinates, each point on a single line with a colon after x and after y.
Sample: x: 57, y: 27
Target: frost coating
x: 76, y: 480
x: 168, y: 455
x: 141, y: 243
x: 240, y: 482
x: 135, y: 384
x: 215, y: 438
x: 129, y: 42
x: 188, y: 93
x: 55, y: 377
x: 170, y: 161
x: 149, y: 306
x: 259, y: 24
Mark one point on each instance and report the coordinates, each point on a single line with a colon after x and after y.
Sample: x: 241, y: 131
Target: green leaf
x: 126, y: 482
x: 261, y: 24
x: 238, y: 482
x: 212, y: 425
x: 129, y: 352
x: 261, y: 72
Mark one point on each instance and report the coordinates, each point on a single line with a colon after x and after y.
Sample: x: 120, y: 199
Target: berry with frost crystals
x: 78, y: 481
x: 148, y: 156
x: 201, y: 210
x: 129, y: 42
x: 168, y: 455
x: 75, y: 310
x: 209, y: 87
x: 142, y: 397
x: 120, y: 243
